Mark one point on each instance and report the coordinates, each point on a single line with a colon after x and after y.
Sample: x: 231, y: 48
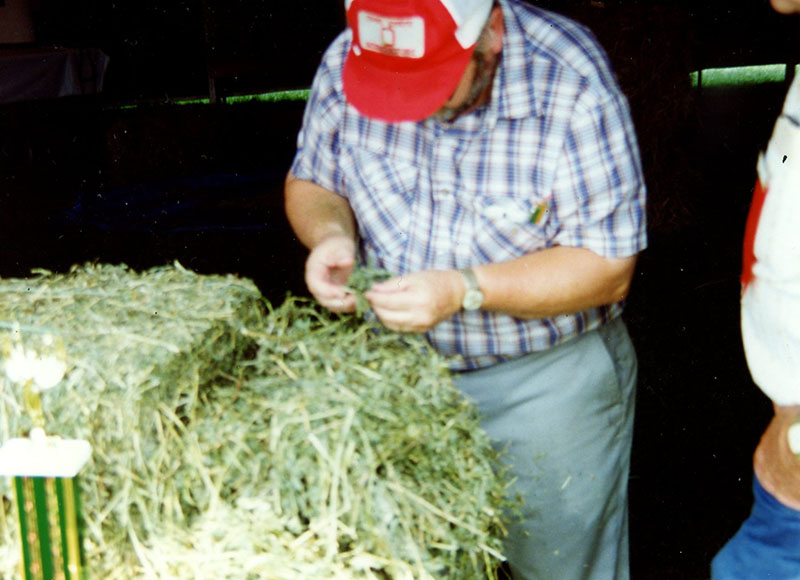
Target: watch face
x: 472, y: 300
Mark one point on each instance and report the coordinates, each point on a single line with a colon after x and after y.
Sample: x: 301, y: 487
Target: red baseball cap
x: 408, y: 56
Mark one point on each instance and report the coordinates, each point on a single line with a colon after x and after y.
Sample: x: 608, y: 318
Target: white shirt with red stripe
x: 771, y: 275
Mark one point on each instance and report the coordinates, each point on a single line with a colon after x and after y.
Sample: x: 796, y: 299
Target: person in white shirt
x: 768, y: 543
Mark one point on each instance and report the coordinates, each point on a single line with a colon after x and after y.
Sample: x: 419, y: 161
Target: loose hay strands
x: 135, y: 345
x: 234, y: 440
x: 362, y: 280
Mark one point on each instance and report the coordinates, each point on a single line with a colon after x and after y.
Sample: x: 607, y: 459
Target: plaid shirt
x: 550, y: 160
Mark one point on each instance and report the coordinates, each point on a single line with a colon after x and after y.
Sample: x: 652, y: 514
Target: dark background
x: 92, y: 178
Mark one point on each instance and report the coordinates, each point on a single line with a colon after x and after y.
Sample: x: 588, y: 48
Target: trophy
x: 44, y: 472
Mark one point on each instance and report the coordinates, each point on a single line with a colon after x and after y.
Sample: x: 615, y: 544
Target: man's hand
x: 417, y: 302
x: 328, y: 267
x: 324, y: 223
x: 776, y: 467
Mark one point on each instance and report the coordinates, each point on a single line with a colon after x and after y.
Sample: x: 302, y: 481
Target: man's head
x: 476, y: 82
x: 410, y: 57
x: 786, y: 6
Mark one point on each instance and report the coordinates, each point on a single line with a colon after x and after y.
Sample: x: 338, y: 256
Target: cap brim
x: 394, y: 96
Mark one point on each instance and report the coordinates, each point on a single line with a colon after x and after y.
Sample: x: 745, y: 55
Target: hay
x: 234, y: 440
x: 362, y: 280
x: 138, y: 350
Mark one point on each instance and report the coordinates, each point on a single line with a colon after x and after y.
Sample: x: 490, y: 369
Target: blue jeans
x: 766, y: 547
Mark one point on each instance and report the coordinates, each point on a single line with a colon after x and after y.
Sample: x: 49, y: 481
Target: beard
x: 485, y: 66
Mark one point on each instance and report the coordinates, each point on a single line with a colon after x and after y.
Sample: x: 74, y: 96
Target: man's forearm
x: 559, y: 280
x: 316, y: 213
x: 542, y: 284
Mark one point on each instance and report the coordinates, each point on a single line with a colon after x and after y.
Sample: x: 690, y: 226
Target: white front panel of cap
x: 470, y: 17
x: 403, y: 37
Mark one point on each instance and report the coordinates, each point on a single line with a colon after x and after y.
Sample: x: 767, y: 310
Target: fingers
x: 394, y: 285
x: 392, y: 303
x: 330, y: 295
x: 328, y: 267
x: 408, y: 303
x: 341, y: 305
x: 394, y: 297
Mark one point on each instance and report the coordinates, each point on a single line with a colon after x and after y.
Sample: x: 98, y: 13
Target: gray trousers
x: 565, y: 418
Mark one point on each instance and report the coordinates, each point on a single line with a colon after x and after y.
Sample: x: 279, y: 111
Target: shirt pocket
x: 381, y: 192
x: 507, y: 227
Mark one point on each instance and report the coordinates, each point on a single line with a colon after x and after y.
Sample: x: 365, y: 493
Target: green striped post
x: 45, y: 481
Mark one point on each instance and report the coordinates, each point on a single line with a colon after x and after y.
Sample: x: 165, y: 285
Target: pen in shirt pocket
x: 539, y: 210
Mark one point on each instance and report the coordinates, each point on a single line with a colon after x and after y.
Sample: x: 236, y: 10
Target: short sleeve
x: 318, y: 139
x: 599, y: 189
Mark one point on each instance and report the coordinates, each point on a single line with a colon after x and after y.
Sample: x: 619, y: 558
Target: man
x: 483, y: 153
x: 768, y: 543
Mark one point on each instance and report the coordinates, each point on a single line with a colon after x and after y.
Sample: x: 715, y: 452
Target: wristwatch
x: 473, y: 297
x: 793, y: 435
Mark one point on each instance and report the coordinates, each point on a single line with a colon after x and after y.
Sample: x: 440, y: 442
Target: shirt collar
x: 513, y: 94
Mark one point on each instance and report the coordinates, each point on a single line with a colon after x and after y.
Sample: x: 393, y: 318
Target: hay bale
x: 234, y: 440
x: 139, y: 348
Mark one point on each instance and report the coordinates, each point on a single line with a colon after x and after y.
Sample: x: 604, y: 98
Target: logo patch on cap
x: 402, y: 37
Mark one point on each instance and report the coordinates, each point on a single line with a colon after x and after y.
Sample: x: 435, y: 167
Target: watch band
x: 471, y: 279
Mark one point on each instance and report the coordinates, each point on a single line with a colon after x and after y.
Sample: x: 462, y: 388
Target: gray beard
x: 484, y: 74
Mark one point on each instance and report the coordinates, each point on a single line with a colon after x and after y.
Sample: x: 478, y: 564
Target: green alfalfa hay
x: 347, y: 454
x: 139, y: 349
x: 333, y: 450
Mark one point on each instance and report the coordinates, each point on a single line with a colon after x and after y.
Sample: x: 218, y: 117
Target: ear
x: 498, y: 28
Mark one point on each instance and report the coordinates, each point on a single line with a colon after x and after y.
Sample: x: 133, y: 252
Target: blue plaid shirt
x: 550, y: 160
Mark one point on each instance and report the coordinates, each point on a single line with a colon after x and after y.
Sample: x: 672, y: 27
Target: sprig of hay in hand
x: 362, y: 280
x: 266, y: 443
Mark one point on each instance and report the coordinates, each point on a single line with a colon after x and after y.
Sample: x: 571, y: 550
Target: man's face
x: 473, y: 88
x: 786, y: 6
